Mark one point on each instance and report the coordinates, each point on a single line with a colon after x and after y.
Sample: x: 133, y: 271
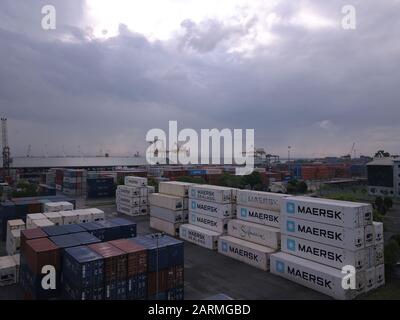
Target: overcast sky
x: 112, y: 70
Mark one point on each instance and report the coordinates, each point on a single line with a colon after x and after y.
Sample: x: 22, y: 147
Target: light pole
x: 290, y: 171
x: 157, y: 236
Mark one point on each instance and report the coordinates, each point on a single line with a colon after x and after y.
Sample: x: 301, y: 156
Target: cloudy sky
x: 112, y: 70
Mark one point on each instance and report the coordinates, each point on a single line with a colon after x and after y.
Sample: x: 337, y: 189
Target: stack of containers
x: 169, y: 208
x: 132, y: 198
x: 165, y: 266
x: 254, y: 236
x: 100, y: 187
x: 37, y: 220
x: 74, y: 182
x: 13, y: 242
x: 320, y: 237
x: 210, y: 209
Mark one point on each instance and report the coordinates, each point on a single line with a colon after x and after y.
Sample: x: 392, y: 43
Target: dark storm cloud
x: 315, y: 89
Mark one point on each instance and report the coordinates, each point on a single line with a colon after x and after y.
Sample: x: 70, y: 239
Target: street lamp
x: 157, y: 236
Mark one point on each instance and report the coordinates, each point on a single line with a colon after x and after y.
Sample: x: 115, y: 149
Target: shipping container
x: 128, y: 210
x: 168, y: 202
x: 84, y: 215
x: 136, y: 256
x: 85, y: 238
x: 94, y: 228
x: 200, y: 236
x: 112, y: 230
x: 30, y: 234
x: 370, y: 279
x: 339, y: 213
x: 128, y: 191
x: 53, y: 207
x: 128, y: 201
x: 31, y: 217
x: 13, y: 243
x: 351, y: 239
x: 55, y: 231
x: 54, y: 217
x: 41, y: 223
x: 260, y: 216
x: 208, y: 222
x: 211, y: 193
x: 253, y: 254
x: 169, y: 228
x: 212, y: 209
x: 174, y: 188
x: 65, y: 241
x: 8, y: 271
x: 369, y: 236
x: 39, y: 253
x: 324, y: 254
x: 261, y: 200
x: 69, y: 217
x: 315, y: 276
x: 379, y: 255
x: 127, y: 228
x: 83, y: 274
x: 73, y: 228
x: 378, y: 232
x: 168, y: 215
x: 135, y: 181
x: 256, y: 233
x: 380, y: 275
x: 17, y: 224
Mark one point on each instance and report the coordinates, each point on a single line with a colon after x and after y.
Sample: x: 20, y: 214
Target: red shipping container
x: 115, y: 261
x: 41, y: 252
x: 175, y: 277
x: 30, y: 234
x: 152, y: 282
x: 136, y: 256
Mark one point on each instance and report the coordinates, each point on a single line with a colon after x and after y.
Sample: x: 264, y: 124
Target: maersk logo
x: 184, y: 232
x: 243, y: 212
x: 193, y: 193
x: 290, y: 207
x: 290, y: 226
x: 193, y: 204
x: 193, y: 218
x: 291, y: 244
x: 280, y: 267
x: 224, y: 247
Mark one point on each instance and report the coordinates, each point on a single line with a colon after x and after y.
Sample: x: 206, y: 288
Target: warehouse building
x: 384, y: 177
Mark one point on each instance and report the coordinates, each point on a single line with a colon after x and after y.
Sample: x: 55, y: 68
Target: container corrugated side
x: 256, y: 233
x: 380, y: 275
x: 378, y: 232
x: 339, y: 213
x: 135, y: 181
x: 200, y: 236
x: 244, y: 251
x: 168, y: 202
x: 169, y: 215
x: 211, y: 208
x: 321, y: 253
x: 260, y: 216
x: 174, y: 188
x: 313, y: 275
x: 351, y: 239
x: 168, y: 227
x: 258, y: 199
x: 211, y: 193
x: 208, y: 222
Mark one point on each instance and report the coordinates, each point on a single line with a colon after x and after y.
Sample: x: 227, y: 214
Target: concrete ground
x: 208, y: 273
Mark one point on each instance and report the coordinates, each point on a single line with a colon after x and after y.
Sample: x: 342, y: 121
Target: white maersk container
x: 13, y: 242
x: 380, y: 275
x: 54, y: 217
x: 17, y: 259
x: 351, y: 239
x: 379, y: 254
x: 52, y: 207
x: 370, y: 279
x: 322, y: 253
x: 378, y: 232
x: 128, y: 210
x: 84, y: 215
x: 40, y: 223
x: 244, y: 251
x: 369, y: 235
x: 315, y: 276
x: 17, y: 224
x: 168, y: 202
x: 208, y: 222
x: 128, y: 191
x: 8, y: 271
x: 256, y: 233
x: 31, y: 217
x: 200, y: 236
x: 339, y: 213
x: 260, y: 216
x: 211, y: 193
x: 97, y: 214
x: 69, y: 217
x: 128, y: 201
x: 213, y: 209
x: 174, y: 188
x: 169, y: 228
x: 151, y: 189
x: 168, y: 214
x: 261, y: 200
x: 66, y: 206
x: 135, y: 181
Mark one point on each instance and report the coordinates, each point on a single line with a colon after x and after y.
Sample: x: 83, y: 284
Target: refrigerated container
x: 253, y: 254
x: 351, y: 239
x: 31, y: 217
x: 169, y: 228
x: 128, y: 191
x: 260, y: 216
x: 54, y: 217
x: 369, y: 235
x: 256, y: 233
x: 211, y: 208
x: 211, y: 193
x: 200, y: 236
x: 174, y: 188
x: 370, y: 279
x: 168, y: 202
x: 135, y: 181
x: 169, y: 215
x: 208, y: 222
x: 339, y: 213
x: 378, y: 232
x: 259, y: 199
